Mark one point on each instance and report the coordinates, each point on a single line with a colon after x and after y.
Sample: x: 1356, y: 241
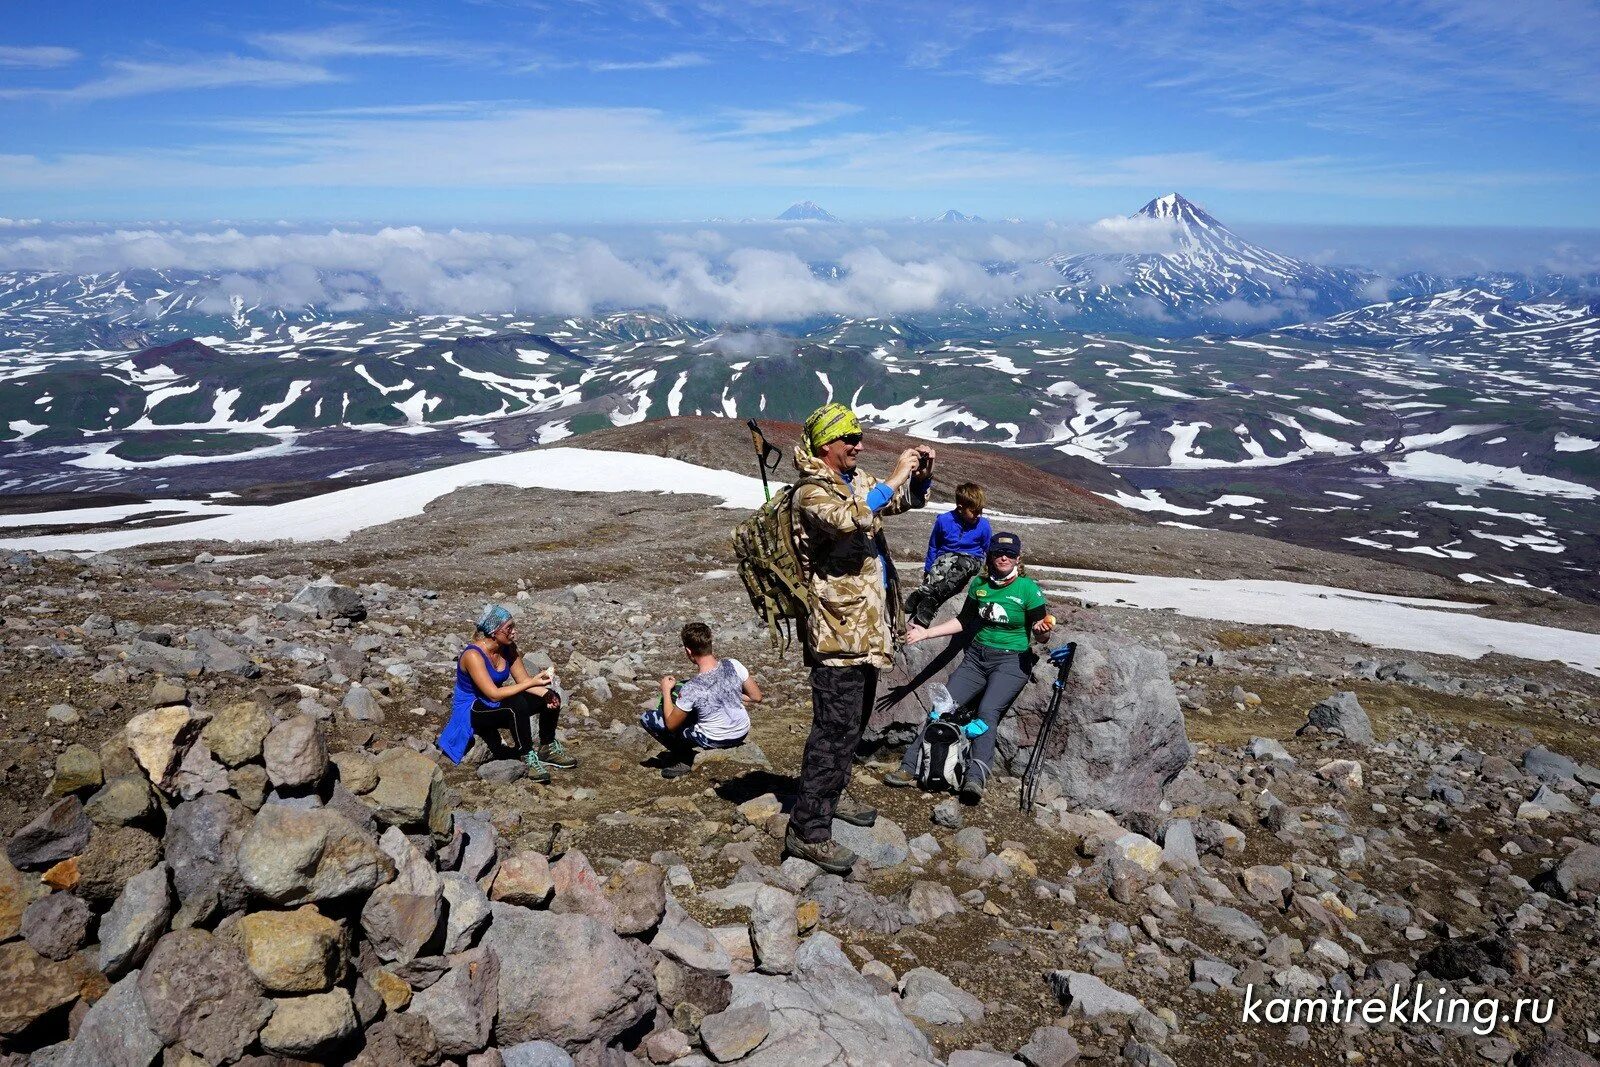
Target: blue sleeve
x: 879, y: 495
x: 985, y: 535
x: 933, y: 545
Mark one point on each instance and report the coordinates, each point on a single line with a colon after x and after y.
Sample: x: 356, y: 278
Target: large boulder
x: 461, y: 1006
x: 116, y: 1032
x: 202, y: 845
x: 160, y: 738
x: 1119, y: 734
x: 410, y: 792
x: 130, y: 929
x: 331, y: 601
x: 565, y: 978
x: 33, y: 987
x: 1342, y: 713
x: 60, y: 831
x: 290, y: 856
x: 198, y: 990
x: 297, y: 951
x: 825, y: 1012
x: 296, y: 753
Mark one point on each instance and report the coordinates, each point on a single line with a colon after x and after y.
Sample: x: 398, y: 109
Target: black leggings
x: 516, y: 714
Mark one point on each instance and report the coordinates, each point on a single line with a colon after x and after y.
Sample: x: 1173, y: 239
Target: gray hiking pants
x: 993, y: 677
x: 948, y: 576
x: 841, y: 701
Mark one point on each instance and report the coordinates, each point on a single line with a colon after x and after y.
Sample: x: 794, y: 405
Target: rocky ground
x: 185, y: 719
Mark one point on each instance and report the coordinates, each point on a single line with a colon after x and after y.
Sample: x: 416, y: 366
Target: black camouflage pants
x: 949, y: 575
x: 841, y: 701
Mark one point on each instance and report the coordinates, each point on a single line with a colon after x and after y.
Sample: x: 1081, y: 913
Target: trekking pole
x: 1062, y: 658
x: 764, y: 451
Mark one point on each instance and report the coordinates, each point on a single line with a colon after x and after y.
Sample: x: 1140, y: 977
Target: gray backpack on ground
x: 942, y: 756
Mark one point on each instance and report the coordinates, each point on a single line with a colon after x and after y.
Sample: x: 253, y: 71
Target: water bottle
x: 943, y: 702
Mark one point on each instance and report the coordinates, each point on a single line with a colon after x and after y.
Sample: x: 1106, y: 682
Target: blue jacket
x: 950, y: 536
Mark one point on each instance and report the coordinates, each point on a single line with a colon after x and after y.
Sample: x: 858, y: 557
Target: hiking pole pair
x: 767, y: 455
x: 1061, y: 656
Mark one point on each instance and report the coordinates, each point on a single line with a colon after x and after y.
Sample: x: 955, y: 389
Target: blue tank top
x: 456, y: 737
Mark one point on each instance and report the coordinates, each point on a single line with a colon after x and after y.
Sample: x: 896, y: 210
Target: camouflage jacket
x: 854, y: 617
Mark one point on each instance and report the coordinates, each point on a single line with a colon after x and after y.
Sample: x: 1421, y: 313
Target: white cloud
x: 138, y: 78
x: 359, y: 41
x: 36, y: 56
x: 675, y: 61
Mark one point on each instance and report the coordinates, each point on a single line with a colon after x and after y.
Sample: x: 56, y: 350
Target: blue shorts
x: 654, y: 723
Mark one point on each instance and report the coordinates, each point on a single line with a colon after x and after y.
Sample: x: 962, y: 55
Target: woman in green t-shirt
x: 1004, y: 607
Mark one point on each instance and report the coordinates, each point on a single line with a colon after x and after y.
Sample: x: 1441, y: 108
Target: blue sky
x: 1467, y: 112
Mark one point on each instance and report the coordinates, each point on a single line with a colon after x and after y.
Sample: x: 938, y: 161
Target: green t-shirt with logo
x: 1003, y: 611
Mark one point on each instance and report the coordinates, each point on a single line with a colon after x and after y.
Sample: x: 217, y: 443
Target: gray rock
x: 114, y: 855
x: 1343, y: 714
x: 565, y: 978
x: 410, y: 792
x: 578, y: 889
x: 1086, y: 995
x: 1269, y: 749
x: 1548, y: 766
x: 971, y: 843
x: 57, y: 925
x: 1178, y: 851
x: 947, y: 813
x: 535, y: 1054
x: 825, y: 1012
x: 198, y: 990
x: 1050, y: 1046
x: 290, y: 857
x: 466, y: 911
x: 401, y: 918
x: 1230, y: 923
x: 331, y: 601
x: 735, y: 1033
x: 116, y: 1031
x: 503, y: 770
x: 930, y: 996
x: 969, y: 1057
x: 638, y: 895
x: 1118, y: 740
x: 881, y: 845
x: 479, y: 854
x: 930, y: 901
x: 461, y: 1006
x: 60, y: 832
x: 361, y: 706
x: 1579, y: 870
x: 690, y: 943
x: 296, y: 753
x: 138, y: 918
x: 304, y: 1026
x: 202, y: 846
x: 774, y: 930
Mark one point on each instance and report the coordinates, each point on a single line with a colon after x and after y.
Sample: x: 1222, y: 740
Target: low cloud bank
x: 738, y: 274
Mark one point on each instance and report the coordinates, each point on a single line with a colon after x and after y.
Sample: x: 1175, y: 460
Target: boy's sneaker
x: 536, y: 769
x: 555, y: 755
x: 677, y: 770
x: 829, y: 855
x: 854, y: 812
x: 899, y: 779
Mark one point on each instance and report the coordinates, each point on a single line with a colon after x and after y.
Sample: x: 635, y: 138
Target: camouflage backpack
x: 764, y: 546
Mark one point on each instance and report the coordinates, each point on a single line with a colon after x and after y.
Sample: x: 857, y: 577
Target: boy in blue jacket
x: 956, y: 550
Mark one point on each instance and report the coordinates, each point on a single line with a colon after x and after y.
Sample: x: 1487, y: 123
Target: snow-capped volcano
x: 952, y: 215
x: 807, y: 211
x: 1210, y: 278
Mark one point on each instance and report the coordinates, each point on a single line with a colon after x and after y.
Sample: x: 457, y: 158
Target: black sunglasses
x: 851, y: 439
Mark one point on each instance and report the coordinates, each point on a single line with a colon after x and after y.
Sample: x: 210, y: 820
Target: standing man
x: 855, y: 614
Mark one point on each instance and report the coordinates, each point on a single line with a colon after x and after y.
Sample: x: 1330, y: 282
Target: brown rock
x: 33, y: 987
x: 159, y: 738
x: 236, y: 732
x: 292, y: 951
x: 523, y: 879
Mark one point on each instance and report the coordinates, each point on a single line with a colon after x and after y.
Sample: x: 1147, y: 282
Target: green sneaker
x: 537, y: 771
x: 555, y: 755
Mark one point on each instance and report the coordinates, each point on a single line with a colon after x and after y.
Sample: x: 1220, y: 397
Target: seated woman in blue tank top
x: 495, y: 692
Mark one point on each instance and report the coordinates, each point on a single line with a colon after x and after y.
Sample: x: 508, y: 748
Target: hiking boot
x: 537, y: 771
x: 854, y: 812
x: 899, y: 779
x: 676, y: 770
x: 555, y: 755
x: 829, y: 855
x: 971, y: 790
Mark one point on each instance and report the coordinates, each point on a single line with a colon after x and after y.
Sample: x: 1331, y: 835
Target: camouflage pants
x: 949, y: 575
x: 841, y: 701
